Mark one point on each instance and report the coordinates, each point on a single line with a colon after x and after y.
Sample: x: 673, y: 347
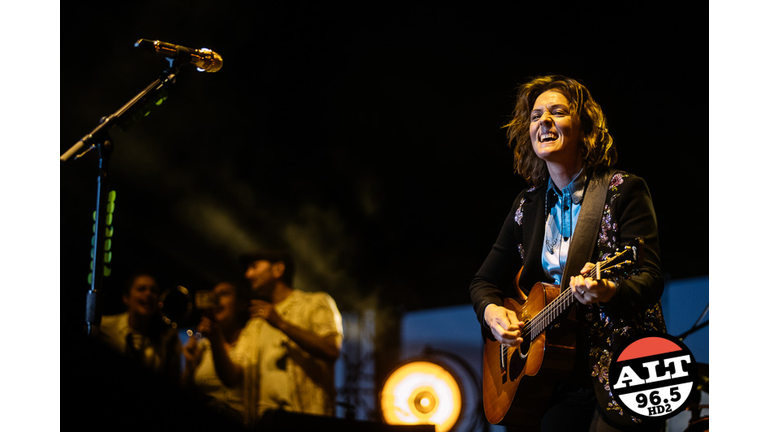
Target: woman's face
x: 555, y: 133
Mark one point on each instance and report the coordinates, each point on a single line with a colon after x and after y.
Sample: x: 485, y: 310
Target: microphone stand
x: 696, y: 326
x: 100, y: 140
x: 694, y: 406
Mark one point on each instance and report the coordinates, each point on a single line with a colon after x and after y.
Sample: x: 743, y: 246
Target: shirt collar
x: 575, y: 188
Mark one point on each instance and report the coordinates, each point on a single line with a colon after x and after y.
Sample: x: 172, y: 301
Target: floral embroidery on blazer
x: 606, y: 331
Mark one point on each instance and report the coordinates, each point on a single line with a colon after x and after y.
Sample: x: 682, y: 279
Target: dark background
x: 365, y: 138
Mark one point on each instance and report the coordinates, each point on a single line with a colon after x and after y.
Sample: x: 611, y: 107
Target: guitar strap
x: 588, y: 226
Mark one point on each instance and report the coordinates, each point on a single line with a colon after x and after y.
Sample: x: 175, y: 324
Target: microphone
x: 205, y: 59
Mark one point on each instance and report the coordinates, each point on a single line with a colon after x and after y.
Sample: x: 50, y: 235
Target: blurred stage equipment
x: 437, y: 388
x: 177, y: 305
x: 99, y: 139
x: 285, y: 421
x: 699, y: 423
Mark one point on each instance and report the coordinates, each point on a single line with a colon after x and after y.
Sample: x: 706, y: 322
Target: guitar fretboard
x: 556, y: 307
x: 546, y: 316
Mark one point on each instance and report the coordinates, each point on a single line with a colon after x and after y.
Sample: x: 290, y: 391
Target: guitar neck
x: 555, y: 308
x: 615, y: 264
x: 536, y: 325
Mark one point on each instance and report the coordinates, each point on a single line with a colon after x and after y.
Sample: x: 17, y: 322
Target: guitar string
x: 552, y: 310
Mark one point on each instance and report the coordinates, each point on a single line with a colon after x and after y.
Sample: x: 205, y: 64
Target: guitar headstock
x: 624, y: 262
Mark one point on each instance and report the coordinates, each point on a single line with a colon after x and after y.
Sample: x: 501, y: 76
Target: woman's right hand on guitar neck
x: 504, y: 325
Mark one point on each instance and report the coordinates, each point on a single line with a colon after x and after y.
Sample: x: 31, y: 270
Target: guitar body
x: 517, y: 383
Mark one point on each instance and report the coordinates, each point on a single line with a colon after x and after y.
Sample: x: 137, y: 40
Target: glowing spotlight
x: 421, y: 392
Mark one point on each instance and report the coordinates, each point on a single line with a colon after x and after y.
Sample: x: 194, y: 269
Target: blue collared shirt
x: 563, y: 212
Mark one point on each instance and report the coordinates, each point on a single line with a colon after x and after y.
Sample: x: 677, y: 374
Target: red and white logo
x: 653, y: 376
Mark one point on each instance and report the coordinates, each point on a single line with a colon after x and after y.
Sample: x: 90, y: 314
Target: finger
x: 502, y: 334
x: 506, y: 340
x: 576, y: 289
x: 512, y: 321
x: 580, y: 295
x: 508, y: 335
x: 514, y: 324
x: 579, y: 284
x: 505, y: 327
x: 513, y: 342
x: 573, y: 282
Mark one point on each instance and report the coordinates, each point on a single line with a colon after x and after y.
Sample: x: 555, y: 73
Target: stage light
x: 421, y: 392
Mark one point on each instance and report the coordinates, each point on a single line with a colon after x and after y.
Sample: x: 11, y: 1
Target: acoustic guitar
x: 517, y: 382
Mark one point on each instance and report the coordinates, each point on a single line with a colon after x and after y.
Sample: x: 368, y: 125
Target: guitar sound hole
x: 524, y: 347
x: 518, y: 359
